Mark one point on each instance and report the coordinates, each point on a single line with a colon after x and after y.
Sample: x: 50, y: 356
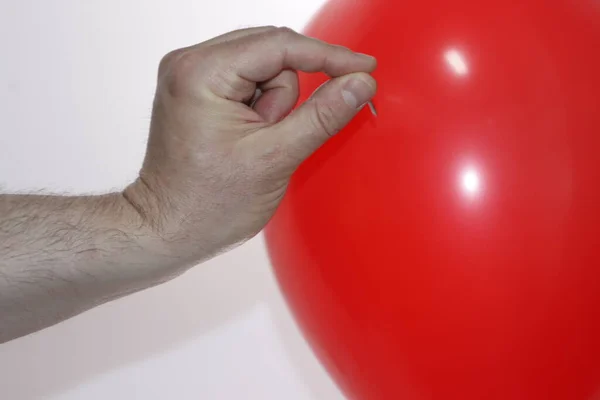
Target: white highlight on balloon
x: 457, y: 62
x: 471, y: 181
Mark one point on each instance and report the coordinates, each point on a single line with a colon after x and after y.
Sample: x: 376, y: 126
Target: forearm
x: 60, y: 256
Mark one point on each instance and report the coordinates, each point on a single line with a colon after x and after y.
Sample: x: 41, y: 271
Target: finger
x: 263, y: 56
x: 329, y: 110
x: 237, y: 34
x: 227, y: 37
x: 278, y: 96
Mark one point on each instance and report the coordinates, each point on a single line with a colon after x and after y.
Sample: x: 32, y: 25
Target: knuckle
x: 209, y: 68
x: 228, y: 84
x: 166, y: 61
x: 180, y: 71
x: 324, y: 119
x: 270, y: 28
x: 184, y: 64
x: 284, y: 32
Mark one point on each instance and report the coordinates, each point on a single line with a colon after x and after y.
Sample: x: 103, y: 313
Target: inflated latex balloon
x: 449, y: 247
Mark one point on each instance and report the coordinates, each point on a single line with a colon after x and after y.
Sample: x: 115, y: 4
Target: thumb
x: 329, y: 110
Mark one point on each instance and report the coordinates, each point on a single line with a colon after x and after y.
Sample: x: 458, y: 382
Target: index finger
x: 263, y: 56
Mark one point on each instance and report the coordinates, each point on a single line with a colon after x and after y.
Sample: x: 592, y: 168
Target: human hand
x: 221, y: 153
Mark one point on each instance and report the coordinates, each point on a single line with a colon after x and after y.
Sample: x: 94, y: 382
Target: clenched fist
x: 223, y: 143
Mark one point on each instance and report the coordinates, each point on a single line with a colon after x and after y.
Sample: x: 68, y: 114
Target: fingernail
x: 357, y: 93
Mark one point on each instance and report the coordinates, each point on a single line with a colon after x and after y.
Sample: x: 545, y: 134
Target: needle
x: 372, y: 107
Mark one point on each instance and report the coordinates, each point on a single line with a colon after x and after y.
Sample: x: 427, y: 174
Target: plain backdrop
x: 76, y: 86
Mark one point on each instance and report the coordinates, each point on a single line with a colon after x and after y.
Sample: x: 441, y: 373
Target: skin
x: 222, y: 148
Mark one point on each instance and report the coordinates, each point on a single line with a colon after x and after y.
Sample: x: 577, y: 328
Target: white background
x: 76, y: 86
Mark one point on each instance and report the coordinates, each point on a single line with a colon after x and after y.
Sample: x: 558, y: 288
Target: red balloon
x: 449, y: 248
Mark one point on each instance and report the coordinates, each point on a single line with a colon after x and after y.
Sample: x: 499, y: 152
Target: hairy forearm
x: 60, y: 256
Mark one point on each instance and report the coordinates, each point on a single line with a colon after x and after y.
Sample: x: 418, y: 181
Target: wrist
x: 155, y: 215
x: 145, y: 204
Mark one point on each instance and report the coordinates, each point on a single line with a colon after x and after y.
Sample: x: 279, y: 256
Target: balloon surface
x: 449, y: 248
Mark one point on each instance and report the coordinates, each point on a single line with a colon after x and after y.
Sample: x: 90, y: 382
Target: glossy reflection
x: 470, y: 180
x: 449, y: 248
x: 457, y: 62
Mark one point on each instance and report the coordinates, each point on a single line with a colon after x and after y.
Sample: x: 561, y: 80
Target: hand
x: 223, y: 144
x: 218, y: 162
